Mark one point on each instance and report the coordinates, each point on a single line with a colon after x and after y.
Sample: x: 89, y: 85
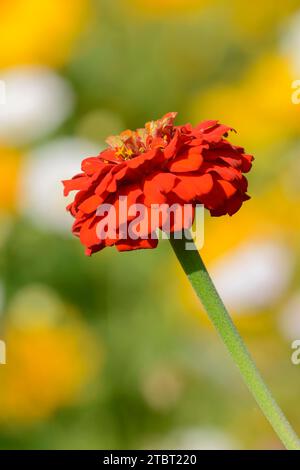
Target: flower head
x: 161, y: 164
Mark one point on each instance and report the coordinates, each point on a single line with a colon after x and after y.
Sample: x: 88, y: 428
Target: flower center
x: 130, y: 144
x: 124, y: 152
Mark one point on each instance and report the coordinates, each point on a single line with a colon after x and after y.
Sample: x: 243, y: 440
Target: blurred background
x: 114, y: 352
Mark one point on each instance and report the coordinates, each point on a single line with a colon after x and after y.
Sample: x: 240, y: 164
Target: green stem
x: 196, y: 271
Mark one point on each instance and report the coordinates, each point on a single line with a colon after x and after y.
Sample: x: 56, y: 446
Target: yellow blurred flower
x: 263, y: 216
x: 259, y: 107
x: 257, y: 18
x: 50, y: 358
x: 35, y: 32
x: 10, y: 162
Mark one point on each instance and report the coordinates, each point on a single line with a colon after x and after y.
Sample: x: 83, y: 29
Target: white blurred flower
x: 290, y: 42
x: 289, y: 320
x: 254, y: 275
x: 40, y: 193
x: 37, y: 101
x: 200, y: 439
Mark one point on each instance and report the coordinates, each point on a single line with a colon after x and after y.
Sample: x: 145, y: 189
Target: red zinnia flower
x: 159, y: 164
